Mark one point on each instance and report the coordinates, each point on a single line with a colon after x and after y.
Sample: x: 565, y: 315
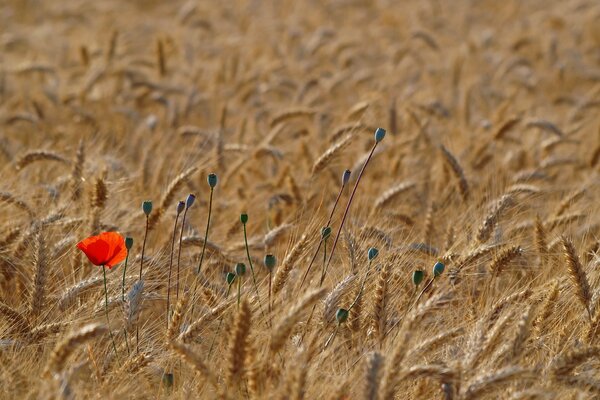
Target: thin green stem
x: 106, y: 310
x: 314, y: 257
x: 324, y: 268
x: 124, y: 273
x: 126, y: 341
x: 170, y: 268
x: 137, y: 328
x: 239, y: 291
x: 252, y: 268
x: 210, y: 201
x: 144, y: 247
x: 179, y: 252
x: 337, y: 236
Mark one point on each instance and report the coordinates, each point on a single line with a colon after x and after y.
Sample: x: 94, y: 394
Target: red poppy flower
x: 107, y: 249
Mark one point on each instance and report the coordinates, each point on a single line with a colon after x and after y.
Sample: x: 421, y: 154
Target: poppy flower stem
x: 210, y: 201
x: 106, y: 309
x: 203, y: 250
x: 337, y: 236
x: 179, y: 253
x: 335, y: 204
x: 170, y: 268
x: 239, y: 291
x: 124, y: 273
x: 144, y: 247
x: 252, y: 268
x: 137, y: 328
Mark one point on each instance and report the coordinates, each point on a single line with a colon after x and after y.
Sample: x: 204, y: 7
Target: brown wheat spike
x: 547, y: 308
x: 40, y: 332
x: 284, y: 327
x: 476, y: 254
x: 333, y: 298
x: 288, y: 263
x: 39, y: 155
x: 391, y: 194
x: 523, y: 331
x: 434, y: 342
x: 273, y: 236
x: 499, y: 306
x: 19, y: 322
x: 133, y: 365
x: 463, y: 184
x: 74, y: 291
x: 201, y: 323
x: 488, y: 382
x: 210, y: 297
x: 332, y: 152
x: 568, y: 202
x: 577, y: 274
x: 374, y: 364
x: 486, y: 340
x: 378, y: 318
x: 491, y: 219
x: 8, y: 198
x: 502, y: 259
x: 565, y: 364
x: 293, y: 113
x: 195, y: 361
x: 238, y: 345
x: 541, y: 239
x: 38, y: 292
x: 10, y: 237
x: 563, y: 220
x: 177, y: 317
x: 65, y: 348
x: 170, y: 193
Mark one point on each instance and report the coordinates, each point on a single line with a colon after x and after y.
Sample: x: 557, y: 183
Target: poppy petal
x: 117, y: 250
x: 96, y: 250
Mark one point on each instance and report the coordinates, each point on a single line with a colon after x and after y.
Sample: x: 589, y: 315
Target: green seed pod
x: 240, y: 269
x: 128, y: 242
x: 190, y: 200
x: 373, y: 253
x: 346, y: 176
x: 270, y: 261
x: 418, y: 276
x: 147, y: 207
x: 230, y: 277
x: 341, y: 315
x: 168, y: 380
x: 180, y: 207
x: 438, y: 268
x: 325, y: 232
x: 212, y: 180
x: 379, y: 134
x: 244, y: 218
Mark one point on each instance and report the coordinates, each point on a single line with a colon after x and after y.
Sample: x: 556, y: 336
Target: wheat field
x: 487, y: 175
